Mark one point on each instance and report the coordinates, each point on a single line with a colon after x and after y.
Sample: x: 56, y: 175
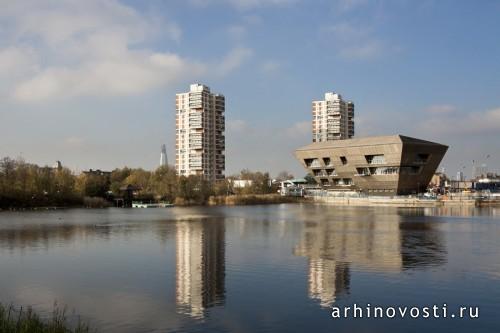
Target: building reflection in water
x: 200, y: 265
x: 327, y: 279
x: 461, y: 211
x: 334, y: 245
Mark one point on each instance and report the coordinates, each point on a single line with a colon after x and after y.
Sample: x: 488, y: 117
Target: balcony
x: 195, y: 146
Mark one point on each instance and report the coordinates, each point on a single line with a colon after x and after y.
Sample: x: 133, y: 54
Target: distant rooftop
x: 197, y: 87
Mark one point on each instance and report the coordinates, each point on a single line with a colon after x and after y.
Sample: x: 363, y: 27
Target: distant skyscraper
x: 200, y: 140
x: 163, y: 156
x: 332, y: 118
x: 460, y: 176
x: 57, y: 165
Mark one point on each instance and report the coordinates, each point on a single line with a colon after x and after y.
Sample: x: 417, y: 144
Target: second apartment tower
x: 200, y: 140
x: 332, y: 118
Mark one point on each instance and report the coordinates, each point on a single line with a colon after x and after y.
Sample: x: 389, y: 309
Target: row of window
x: 337, y: 182
x: 370, y: 159
x: 314, y: 162
x: 377, y: 171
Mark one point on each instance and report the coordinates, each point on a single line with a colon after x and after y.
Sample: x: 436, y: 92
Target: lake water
x: 274, y: 268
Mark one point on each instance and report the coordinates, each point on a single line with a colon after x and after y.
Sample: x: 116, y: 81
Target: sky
x: 92, y: 83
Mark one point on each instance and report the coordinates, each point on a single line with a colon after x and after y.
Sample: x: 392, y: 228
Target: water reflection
x: 246, y: 269
x: 327, y: 279
x: 376, y: 242
x: 45, y: 236
x: 200, y: 265
x: 462, y: 211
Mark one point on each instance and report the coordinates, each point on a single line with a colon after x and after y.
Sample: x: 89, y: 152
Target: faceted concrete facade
x: 384, y: 165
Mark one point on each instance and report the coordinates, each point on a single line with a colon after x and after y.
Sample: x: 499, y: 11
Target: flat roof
x: 366, y: 141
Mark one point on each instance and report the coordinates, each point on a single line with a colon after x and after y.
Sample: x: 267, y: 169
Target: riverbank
x: 230, y: 200
x: 401, y: 201
x: 252, y: 199
x: 19, y: 320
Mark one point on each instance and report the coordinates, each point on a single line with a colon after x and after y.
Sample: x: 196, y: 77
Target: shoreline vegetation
x: 27, y: 186
x: 223, y: 200
x: 20, y: 320
x: 253, y: 199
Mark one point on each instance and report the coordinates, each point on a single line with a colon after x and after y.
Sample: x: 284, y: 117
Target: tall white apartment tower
x: 200, y: 140
x: 332, y: 118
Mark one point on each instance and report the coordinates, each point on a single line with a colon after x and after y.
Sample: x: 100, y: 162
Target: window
x: 421, y: 158
x: 319, y: 172
x: 384, y: 171
x: 347, y: 181
x: 331, y: 172
x: 375, y: 159
x: 410, y: 170
x: 313, y: 163
x: 363, y: 171
x: 327, y: 161
x: 343, y: 159
x: 343, y: 182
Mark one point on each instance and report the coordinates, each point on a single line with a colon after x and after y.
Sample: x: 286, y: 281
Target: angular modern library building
x: 382, y: 165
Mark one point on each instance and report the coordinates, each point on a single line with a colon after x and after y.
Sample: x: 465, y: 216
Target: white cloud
x: 16, y: 60
x: 82, y: 48
x: 270, y: 66
x: 356, y: 41
x: 243, y: 4
x: 348, y: 5
x: 258, y: 3
x: 440, y: 109
x: 236, y: 125
x: 237, y: 32
x: 463, y: 124
x: 234, y: 59
x: 347, y: 31
x: 300, y: 129
x: 366, y: 50
x: 134, y: 73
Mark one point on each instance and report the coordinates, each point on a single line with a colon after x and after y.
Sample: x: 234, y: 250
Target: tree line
x: 27, y: 185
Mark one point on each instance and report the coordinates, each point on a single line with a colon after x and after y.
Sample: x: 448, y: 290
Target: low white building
x: 293, y: 187
x: 241, y: 183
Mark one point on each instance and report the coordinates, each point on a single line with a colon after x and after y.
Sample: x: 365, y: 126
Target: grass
x: 19, y: 320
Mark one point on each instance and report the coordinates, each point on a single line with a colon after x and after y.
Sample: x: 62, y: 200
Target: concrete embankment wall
x: 401, y: 201
x: 375, y: 201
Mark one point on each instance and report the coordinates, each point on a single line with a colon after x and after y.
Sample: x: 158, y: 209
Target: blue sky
x: 92, y: 83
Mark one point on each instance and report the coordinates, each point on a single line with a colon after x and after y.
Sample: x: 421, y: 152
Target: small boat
x: 151, y: 205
